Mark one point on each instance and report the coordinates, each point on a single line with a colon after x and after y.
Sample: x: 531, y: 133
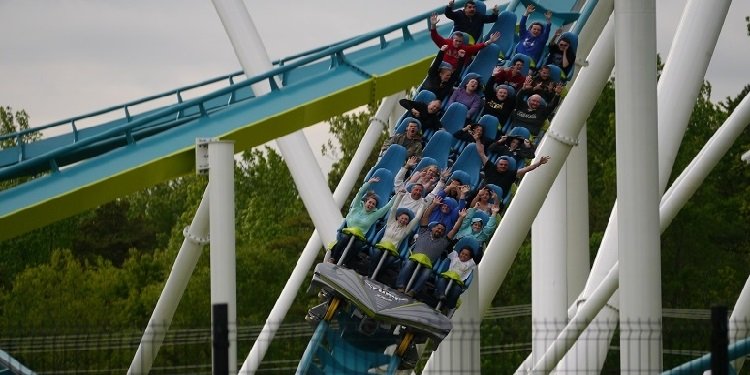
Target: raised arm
x: 449, y: 12
x: 428, y: 211
x: 396, y: 201
x: 480, y: 149
x: 457, y: 226
x: 532, y: 166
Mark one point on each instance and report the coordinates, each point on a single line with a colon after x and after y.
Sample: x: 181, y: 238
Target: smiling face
x: 535, y: 101
x: 465, y: 255
x: 370, y: 204
x: 434, y: 106
x: 535, y: 29
x: 501, y: 93
x: 438, y: 230
x: 502, y: 165
x: 403, y: 219
x: 476, y: 226
x: 544, y: 72
x: 416, y: 191
x: 517, y: 66
x: 484, y: 195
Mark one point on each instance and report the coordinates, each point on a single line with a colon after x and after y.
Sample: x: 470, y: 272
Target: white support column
x: 678, y: 88
x: 577, y: 218
x: 637, y: 187
x: 312, y: 249
x: 196, y: 235
x: 221, y: 211
x: 559, y: 140
x: 549, y: 294
x: 311, y: 183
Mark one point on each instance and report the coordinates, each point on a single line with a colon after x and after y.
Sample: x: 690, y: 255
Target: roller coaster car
x: 371, y: 318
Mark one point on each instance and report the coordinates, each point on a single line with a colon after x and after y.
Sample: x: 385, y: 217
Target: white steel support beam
x: 678, y: 88
x: 312, y: 249
x: 637, y: 187
x: 577, y: 218
x: 221, y: 211
x: 739, y: 322
x: 196, y: 235
x: 253, y: 58
x: 678, y: 194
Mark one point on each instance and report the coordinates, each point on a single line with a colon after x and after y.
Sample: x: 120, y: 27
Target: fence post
x: 719, y: 341
x: 220, y: 333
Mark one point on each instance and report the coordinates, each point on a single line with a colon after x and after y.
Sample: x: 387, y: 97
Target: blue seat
x: 454, y: 117
x: 497, y: 190
x: 469, y: 162
x: 384, y: 187
x: 401, y: 127
x: 392, y: 160
x: 490, y: 125
x: 425, y: 96
x: 438, y: 148
x: 555, y: 73
x: 461, y: 176
x: 483, y: 63
x: 425, y: 162
x: 506, y: 25
x: 519, y: 132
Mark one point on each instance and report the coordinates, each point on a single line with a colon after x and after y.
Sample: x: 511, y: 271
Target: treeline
x: 103, y: 270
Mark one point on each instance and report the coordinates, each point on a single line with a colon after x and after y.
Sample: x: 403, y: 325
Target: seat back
x: 454, y: 118
x: 472, y: 243
x: 489, y: 124
x: 384, y: 187
x: 438, y: 148
x: 392, y: 160
x: 470, y: 162
x: 497, y: 190
x: 506, y: 25
x: 425, y: 96
x: 483, y: 64
x: 519, y: 132
x: 555, y: 73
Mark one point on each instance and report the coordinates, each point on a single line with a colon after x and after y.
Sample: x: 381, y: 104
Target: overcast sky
x: 67, y: 57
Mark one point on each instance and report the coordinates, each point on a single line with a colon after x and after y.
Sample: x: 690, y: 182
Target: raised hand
x: 450, y: 3
x: 374, y: 180
x: 544, y: 160
x: 530, y: 9
x: 463, y: 213
x: 548, y: 16
x: 496, y: 70
x: 434, y: 19
x: 461, y: 53
x: 493, y: 37
x: 412, y: 161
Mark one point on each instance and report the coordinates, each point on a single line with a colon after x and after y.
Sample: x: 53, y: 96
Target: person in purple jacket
x: 468, y: 95
x: 533, y: 39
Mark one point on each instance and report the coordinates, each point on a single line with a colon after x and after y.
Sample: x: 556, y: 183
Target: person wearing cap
x: 503, y: 172
x: 411, y: 139
x: 456, y: 43
x: 532, y: 40
x: 430, y: 244
x: 363, y: 213
x: 400, y: 224
x: 467, y: 19
x: 469, y: 225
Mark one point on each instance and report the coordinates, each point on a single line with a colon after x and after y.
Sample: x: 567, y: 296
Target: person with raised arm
x: 503, y: 172
x: 456, y: 43
x: 467, y: 19
x: 532, y: 40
